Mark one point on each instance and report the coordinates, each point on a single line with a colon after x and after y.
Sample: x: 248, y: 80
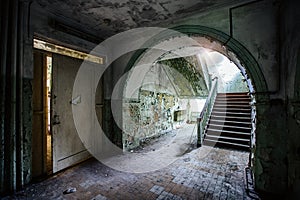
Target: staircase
x: 229, y: 125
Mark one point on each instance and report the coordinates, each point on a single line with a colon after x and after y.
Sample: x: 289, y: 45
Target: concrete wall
x: 290, y: 83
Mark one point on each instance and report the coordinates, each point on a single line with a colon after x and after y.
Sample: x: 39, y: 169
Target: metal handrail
x: 206, y: 112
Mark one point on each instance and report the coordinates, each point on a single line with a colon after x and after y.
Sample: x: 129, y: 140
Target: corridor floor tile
x: 218, y: 175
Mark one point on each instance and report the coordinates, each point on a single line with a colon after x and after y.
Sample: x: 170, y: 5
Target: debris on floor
x: 69, y: 190
x: 218, y: 175
x: 202, y: 173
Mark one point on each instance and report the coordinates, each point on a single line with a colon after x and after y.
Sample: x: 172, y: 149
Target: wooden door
x: 67, y: 146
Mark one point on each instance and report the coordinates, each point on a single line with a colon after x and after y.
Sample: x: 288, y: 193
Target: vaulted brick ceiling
x: 109, y: 17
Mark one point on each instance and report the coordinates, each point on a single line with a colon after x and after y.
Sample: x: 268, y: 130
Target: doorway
x: 48, y: 114
x: 55, y: 142
x: 215, y: 60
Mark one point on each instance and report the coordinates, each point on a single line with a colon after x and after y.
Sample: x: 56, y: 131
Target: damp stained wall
x: 254, y: 25
x: 150, y: 117
x: 163, y: 100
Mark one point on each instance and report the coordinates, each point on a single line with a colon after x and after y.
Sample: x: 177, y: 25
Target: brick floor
x: 218, y: 175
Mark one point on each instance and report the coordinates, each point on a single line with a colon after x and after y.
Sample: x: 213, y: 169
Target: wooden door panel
x: 67, y: 146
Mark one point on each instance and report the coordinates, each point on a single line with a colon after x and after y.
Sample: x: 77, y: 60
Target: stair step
x: 228, y: 135
x: 227, y: 122
x: 230, y: 121
x: 230, y: 113
x: 226, y: 138
x: 243, y: 101
x: 243, y: 141
x: 217, y: 143
x: 211, y: 131
x: 231, y: 118
x: 233, y: 98
x: 223, y: 109
x: 237, y: 132
x: 234, y: 93
x: 232, y: 102
x: 227, y: 127
x: 224, y: 105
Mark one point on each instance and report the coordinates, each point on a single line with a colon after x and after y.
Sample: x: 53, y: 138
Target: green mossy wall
x: 187, y: 67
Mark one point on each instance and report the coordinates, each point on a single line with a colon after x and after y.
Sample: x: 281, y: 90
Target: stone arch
x: 246, y: 62
x: 246, y: 59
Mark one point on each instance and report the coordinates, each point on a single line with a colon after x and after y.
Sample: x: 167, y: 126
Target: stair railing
x: 202, y: 120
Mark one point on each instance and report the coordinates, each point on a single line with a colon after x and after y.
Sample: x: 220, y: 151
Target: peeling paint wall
x: 187, y: 67
x: 150, y: 117
x: 166, y: 95
x: 155, y: 114
x: 271, y: 144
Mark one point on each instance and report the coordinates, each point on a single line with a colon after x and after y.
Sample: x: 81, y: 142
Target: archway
x: 155, y: 38
x: 224, y: 44
x: 228, y: 46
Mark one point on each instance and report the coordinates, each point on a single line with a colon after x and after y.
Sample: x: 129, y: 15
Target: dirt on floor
x: 155, y: 143
x: 203, y: 173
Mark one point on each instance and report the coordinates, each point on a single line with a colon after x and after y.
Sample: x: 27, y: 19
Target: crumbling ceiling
x: 108, y: 17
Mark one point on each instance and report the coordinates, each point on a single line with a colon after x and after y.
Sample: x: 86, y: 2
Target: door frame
x: 39, y: 99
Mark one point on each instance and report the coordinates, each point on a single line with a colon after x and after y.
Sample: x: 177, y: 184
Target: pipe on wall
x: 19, y: 107
x: 231, y: 18
x: 11, y: 124
x: 3, y: 60
x: 10, y: 145
x: 231, y: 36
